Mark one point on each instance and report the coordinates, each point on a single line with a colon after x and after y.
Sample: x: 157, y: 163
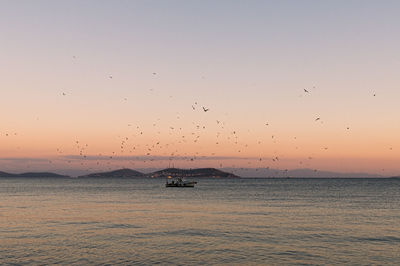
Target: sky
x: 98, y: 85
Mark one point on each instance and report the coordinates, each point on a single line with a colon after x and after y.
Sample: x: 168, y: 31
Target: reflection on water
x: 254, y: 221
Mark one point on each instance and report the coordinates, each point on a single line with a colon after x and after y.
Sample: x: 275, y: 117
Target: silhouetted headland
x: 202, y: 173
x: 124, y: 173
x: 173, y: 172
x: 33, y: 175
x: 196, y: 173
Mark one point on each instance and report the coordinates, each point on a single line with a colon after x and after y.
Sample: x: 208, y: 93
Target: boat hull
x: 188, y: 184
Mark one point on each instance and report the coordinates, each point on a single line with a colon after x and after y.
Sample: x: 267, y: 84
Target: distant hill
x: 203, y: 173
x: 196, y: 173
x: 129, y: 173
x: 4, y: 174
x: 125, y: 173
x: 32, y: 175
x: 296, y: 173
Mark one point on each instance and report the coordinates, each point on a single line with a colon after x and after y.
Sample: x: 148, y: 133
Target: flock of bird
x: 147, y: 152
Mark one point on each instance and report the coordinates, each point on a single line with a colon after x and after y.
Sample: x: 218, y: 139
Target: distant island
x: 202, y: 173
x: 125, y: 173
x: 33, y: 175
x: 196, y: 173
x: 130, y: 173
x: 173, y: 172
x: 297, y: 173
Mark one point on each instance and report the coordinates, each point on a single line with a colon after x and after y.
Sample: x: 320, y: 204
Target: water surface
x: 238, y: 221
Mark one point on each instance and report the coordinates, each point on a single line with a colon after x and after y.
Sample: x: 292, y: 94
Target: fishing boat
x: 179, y: 182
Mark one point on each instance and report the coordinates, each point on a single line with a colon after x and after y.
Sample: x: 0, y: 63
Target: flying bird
x: 306, y: 91
x: 205, y: 109
x: 318, y: 118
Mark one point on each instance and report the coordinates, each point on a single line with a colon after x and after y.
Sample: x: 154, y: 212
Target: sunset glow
x: 89, y: 86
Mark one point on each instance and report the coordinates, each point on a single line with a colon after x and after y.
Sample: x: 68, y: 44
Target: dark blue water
x: 238, y: 221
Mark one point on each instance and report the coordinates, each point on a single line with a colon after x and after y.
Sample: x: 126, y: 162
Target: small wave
x: 126, y: 226
x: 297, y: 254
x: 80, y: 223
x: 388, y: 239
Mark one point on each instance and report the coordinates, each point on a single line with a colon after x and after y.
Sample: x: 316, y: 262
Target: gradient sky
x: 131, y: 71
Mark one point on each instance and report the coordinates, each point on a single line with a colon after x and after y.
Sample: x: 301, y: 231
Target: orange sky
x: 137, y: 74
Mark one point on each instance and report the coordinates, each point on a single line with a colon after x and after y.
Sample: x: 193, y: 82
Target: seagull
x: 318, y: 118
x: 205, y: 109
x: 306, y: 91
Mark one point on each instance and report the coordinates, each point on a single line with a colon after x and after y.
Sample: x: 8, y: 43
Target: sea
x: 46, y: 221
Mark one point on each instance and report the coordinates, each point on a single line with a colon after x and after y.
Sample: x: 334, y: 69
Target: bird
x: 64, y: 94
x: 306, y: 91
x: 205, y: 109
x: 318, y: 118
x: 110, y: 76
